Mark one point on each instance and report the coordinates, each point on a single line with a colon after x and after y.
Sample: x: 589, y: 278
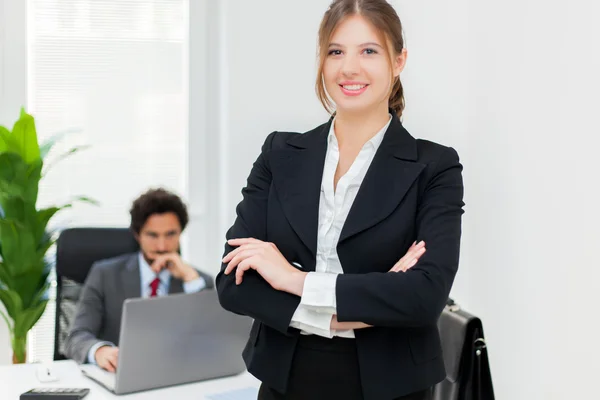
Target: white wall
x: 511, y: 85
x: 259, y: 80
x: 533, y: 192
x: 13, y: 94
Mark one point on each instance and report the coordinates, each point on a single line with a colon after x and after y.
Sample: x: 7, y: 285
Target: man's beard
x: 151, y: 260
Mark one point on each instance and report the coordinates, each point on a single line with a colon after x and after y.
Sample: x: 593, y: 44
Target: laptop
x: 172, y: 340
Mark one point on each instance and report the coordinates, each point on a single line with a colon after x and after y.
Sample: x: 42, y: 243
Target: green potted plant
x: 24, y: 237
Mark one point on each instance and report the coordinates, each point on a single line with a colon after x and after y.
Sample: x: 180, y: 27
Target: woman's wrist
x: 295, y: 283
x: 334, y: 323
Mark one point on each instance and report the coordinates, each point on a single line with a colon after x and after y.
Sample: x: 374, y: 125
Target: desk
x: 17, y: 379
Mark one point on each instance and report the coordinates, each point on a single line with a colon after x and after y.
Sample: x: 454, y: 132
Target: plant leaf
x: 34, y: 174
x: 4, y: 139
x: 25, y: 136
x: 43, y: 292
x: 10, y: 144
x: 28, y: 283
x: 27, y: 319
x: 12, y: 302
x: 13, y: 175
x: 88, y: 200
x: 18, y: 246
x: 53, y: 140
x: 16, y: 209
x: 43, y: 217
x: 5, y: 278
x: 5, y: 317
x: 44, y: 246
x: 65, y: 155
x: 18, y: 179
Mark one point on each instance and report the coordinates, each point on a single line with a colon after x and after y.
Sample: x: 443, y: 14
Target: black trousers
x: 326, y: 369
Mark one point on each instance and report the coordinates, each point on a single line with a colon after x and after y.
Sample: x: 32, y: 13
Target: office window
x: 112, y: 74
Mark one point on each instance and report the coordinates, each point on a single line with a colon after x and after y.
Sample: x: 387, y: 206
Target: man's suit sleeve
x: 208, y: 279
x: 255, y: 297
x: 417, y: 297
x: 88, y: 318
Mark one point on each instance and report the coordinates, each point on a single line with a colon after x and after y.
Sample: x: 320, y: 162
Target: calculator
x: 55, y: 394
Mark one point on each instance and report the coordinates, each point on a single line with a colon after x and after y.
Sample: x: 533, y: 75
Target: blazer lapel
x: 297, y: 173
x: 390, y: 175
x: 130, y: 278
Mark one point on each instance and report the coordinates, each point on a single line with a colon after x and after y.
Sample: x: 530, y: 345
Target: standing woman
x: 327, y: 253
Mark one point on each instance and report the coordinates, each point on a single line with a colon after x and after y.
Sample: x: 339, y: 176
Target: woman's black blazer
x: 413, y: 190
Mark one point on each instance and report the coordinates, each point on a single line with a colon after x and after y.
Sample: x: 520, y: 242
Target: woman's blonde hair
x: 385, y: 19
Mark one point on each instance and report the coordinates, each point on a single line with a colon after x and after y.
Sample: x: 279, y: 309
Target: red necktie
x: 154, y: 286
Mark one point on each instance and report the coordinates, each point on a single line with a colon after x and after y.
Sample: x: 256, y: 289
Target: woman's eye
x: 334, y: 52
x: 370, y: 51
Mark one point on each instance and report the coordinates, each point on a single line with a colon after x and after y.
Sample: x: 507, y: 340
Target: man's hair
x: 157, y: 201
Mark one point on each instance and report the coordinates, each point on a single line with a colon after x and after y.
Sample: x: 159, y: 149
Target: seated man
x: 157, y: 219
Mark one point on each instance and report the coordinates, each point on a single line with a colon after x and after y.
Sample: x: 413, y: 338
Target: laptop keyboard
x: 104, y: 377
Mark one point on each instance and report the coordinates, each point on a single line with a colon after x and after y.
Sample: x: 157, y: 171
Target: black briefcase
x: 468, y: 374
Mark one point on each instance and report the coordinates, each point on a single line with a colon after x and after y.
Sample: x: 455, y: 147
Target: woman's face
x: 356, y: 71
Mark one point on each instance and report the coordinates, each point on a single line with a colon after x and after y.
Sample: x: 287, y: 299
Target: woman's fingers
x: 410, y: 258
x: 236, y: 251
x: 234, y: 255
x: 241, y: 257
x: 242, y: 241
x: 241, y: 269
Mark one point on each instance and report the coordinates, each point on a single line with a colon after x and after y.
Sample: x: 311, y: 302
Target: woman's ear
x: 400, y: 62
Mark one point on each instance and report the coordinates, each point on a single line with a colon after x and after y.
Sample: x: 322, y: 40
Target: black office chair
x: 76, y: 250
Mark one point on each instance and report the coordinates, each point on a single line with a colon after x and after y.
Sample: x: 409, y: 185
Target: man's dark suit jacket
x: 107, y: 286
x: 413, y: 190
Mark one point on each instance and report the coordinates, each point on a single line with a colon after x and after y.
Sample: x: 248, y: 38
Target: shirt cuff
x: 310, y: 321
x: 91, y: 358
x: 319, y: 292
x: 194, y: 286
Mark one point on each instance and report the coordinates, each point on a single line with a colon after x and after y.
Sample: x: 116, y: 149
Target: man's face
x: 159, y: 235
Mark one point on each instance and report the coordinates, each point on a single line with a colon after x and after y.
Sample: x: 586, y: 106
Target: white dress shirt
x: 318, y: 303
x: 147, y: 276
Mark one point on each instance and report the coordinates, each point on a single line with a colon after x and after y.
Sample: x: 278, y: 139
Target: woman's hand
x: 410, y: 258
x: 268, y: 261
x: 346, y: 326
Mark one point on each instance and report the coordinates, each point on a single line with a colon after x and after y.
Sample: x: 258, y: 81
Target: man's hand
x: 107, y: 357
x: 176, y: 266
